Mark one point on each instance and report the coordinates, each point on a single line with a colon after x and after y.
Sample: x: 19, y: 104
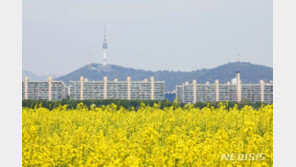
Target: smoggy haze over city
x: 149, y: 34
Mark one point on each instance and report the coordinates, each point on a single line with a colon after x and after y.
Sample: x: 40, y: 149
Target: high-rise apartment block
x: 236, y: 91
x: 43, y: 90
x: 129, y: 90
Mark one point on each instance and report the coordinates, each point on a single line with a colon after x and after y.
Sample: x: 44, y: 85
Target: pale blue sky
x: 174, y: 35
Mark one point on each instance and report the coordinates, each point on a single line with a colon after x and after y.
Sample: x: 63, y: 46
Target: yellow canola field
x: 174, y: 136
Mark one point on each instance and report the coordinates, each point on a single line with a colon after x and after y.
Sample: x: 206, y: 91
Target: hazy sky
x: 174, y: 35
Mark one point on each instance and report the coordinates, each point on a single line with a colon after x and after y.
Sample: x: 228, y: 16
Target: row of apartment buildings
x: 235, y: 91
x: 84, y: 89
x: 146, y: 90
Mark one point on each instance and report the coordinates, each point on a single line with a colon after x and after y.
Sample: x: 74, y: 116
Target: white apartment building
x: 130, y: 90
x: 43, y: 90
x: 193, y: 92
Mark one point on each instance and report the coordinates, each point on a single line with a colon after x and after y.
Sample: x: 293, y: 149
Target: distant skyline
x: 151, y: 35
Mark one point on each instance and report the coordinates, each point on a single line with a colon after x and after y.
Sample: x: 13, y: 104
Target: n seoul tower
x: 104, y: 46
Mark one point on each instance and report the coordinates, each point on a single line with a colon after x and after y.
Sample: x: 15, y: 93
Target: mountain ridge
x: 32, y: 75
x: 250, y: 73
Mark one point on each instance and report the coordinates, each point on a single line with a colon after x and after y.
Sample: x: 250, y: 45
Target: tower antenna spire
x: 105, y: 34
x: 238, y: 58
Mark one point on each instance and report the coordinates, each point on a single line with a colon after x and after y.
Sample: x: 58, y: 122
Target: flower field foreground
x: 150, y: 136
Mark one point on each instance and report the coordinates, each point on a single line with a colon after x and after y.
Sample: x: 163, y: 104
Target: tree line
x: 129, y: 104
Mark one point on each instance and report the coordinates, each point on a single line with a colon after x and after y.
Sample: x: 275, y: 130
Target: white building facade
x: 236, y: 91
x: 129, y: 90
x: 43, y: 90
